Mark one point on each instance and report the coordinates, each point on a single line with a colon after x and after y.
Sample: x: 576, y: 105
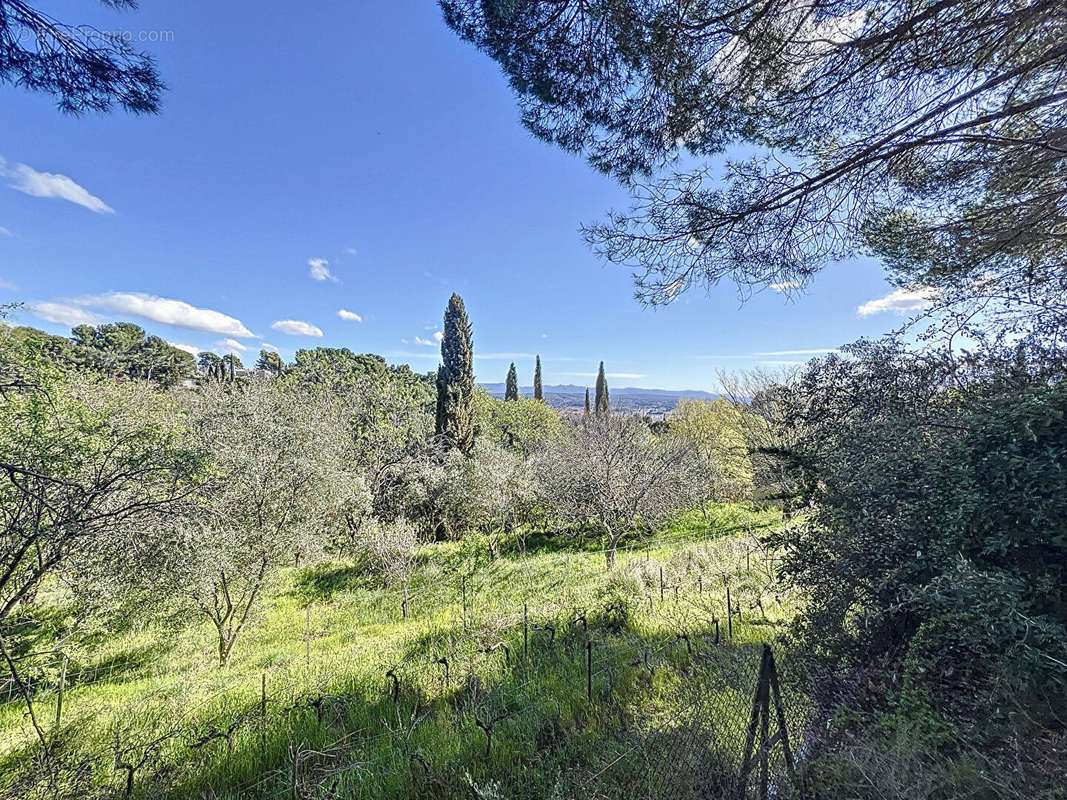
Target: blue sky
x: 366, y: 145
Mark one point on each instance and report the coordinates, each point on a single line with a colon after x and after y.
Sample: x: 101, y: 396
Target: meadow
x: 524, y: 675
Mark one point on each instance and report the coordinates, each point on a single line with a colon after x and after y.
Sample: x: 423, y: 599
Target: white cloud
x: 232, y: 344
x: 438, y: 335
x: 188, y: 348
x: 266, y: 346
x: 544, y: 335
x: 352, y: 316
x: 295, y: 327
x: 29, y: 181
x: 168, y: 311
x: 351, y: 251
x: 403, y: 341
x: 427, y: 342
x: 909, y: 298
x: 5, y: 232
x: 319, y: 271
x: 785, y: 286
x: 7, y: 284
x: 62, y: 314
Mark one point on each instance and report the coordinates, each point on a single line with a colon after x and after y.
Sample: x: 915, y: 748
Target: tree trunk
x: 612, y: 550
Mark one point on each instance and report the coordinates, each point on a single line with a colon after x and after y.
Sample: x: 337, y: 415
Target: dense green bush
x: 936, y: 538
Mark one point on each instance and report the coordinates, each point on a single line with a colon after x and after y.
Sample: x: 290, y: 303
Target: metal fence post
x: 589, y: 670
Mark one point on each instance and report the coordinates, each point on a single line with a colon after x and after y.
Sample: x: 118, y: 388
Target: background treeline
x: 191, y: 499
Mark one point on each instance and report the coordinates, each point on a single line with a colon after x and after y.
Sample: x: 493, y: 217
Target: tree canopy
x: 455, y: 379
x: 511, y: 385
x: 931, y: 133
x: 84, y: 68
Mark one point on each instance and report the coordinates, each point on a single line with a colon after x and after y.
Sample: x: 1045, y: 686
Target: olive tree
x: 613, y: 473
x: 489, y: 492
x: 281, y: 491
x: 80, y: 458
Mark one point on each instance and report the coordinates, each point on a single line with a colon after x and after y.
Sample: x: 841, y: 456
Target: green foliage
x: 120, y: 348
x: 716, y: 429
x: 336, y: 370
x: 127, y: 693
x: 83, y: 457
x: 937, y: 534
x: 538, y: 388
x: 603, y: 403
x: 511, y: 385
x: 211, y: 366
x: 271, y: 362
x: 455, y: 380
x: 523, y: 425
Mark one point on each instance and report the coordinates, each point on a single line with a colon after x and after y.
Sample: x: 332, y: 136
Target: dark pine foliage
x: 455, y: 380
x: 511, y: 386
x: 603, y: 403
x: 931, y: 131
x: 85, y: 69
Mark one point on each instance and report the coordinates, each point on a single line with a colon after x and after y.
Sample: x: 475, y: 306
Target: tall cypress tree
x: 587, y: 401
x: 602, y: 402
x: 539, y: 393
x: 511, y: 387
x: 455, y: 379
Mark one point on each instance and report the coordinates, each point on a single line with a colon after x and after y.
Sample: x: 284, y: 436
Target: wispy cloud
x: 7, y: 284
x: 426, y: 342
x: 351, y: 316
x: 5, y: 232
x: 167, y: 311
x: 269, y: 347
x: 815, y: 351
x: 233, y: 344
x: 295, y: 327
x: 483, y: 356
x: 62, y: 314
x: 188, y: 348
x: 318, y: 269
x: 785, y: 286
x: 351, y: 251
x: 438, y: 336
x: 29, y: 181
x: 910, y: 298
x: 505, y: 356
x: 620, y: 375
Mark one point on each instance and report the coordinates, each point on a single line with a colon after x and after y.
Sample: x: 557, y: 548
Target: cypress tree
x: 511, y: 387
x: 455, y: 379
x: 539, y: 393
x: 602, y: 402
x: 587, y: 401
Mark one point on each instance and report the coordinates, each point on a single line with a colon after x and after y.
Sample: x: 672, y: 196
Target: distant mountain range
x: 628, y: 398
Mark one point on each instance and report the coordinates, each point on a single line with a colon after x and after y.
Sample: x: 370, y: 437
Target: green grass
x: 137, y: 687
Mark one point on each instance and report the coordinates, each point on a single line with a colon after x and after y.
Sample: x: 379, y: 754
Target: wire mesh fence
x: 731, y: 722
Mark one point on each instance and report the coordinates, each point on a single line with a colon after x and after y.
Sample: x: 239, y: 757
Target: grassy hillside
x: 357, y: 702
